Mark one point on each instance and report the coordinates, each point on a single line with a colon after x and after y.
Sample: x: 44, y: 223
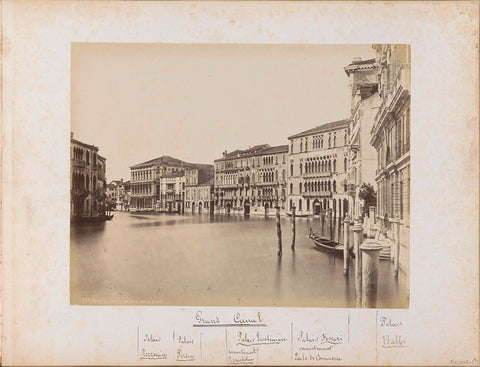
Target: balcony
x: 399, y: 89
x: 79, y: 163
x: 316, y: 194
x: 80, y: 192
x: 318, y: 174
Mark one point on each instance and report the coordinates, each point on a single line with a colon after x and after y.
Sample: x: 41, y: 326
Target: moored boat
x: 326, y: 245
x: 93, y: 219
x: 298, y: 215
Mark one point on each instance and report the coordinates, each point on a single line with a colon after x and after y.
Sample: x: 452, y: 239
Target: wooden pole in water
x: 322, y: 218
x: 346, y: 229
x: 330, y: 229
x: 357, y: 237
x: 293, y: 227
x: 279, y: 231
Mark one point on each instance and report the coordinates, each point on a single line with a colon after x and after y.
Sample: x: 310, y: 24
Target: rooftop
x: 89, y: 146
x: 254, y: 151
x: 329, y: 126
x: 166, y: 160
x: 357, y: 64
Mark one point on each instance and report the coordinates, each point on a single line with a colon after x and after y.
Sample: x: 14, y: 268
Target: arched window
x: 308, y: 204
x: 291, y: 204
x: 334, y: 165
x: 291, y: 169
x: 334, y: 186
x: 300, y: 187
x: 301, y: 145
x: 291, y: 188
x: 300, y: 204
x: 300, y: 168
x: 345, y: 139
x: 329, y: 186
x: 329, y: 141
x: 345, y: 164
x: 334, y: 140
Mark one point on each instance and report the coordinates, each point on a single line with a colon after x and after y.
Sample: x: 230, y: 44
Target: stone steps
x: 385, y: 251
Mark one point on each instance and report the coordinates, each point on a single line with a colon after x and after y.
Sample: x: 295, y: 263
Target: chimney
x: 224, y: 153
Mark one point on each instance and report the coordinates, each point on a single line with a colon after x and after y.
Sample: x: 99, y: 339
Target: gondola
x: 326, y: 245
x: 298, y: 215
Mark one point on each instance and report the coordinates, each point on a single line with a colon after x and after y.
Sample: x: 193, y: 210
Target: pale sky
x: 140, y: 101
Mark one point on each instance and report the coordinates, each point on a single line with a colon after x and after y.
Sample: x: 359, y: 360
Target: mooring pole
x: 346, y: 229
x: 293, y: 227
x: 279, y: 231
x: 330, y: 229
x: 370, y: 259
x: 357, y: 238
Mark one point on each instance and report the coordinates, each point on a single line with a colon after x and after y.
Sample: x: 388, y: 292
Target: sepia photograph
x: 240, y: 175
x: 229, y: 183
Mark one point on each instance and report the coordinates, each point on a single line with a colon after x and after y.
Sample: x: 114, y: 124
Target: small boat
x: 298, y: 215
x: 325, y: 244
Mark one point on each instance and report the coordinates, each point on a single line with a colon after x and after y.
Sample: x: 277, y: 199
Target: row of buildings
x: 167, y: 184
x: 321, y: 168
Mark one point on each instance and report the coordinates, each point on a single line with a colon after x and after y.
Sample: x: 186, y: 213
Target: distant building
x: 199, y: 190
x: 390, y: 136
x: 87, y: 180
x: 317, y: 169
x: 251, y: 181
x: 362, y: 156
x: 110, y: 196
x: 116, y: 195
x: 159, y: 184
x: 127, y: 189
x: 144, y: 181
x: 171, y: 192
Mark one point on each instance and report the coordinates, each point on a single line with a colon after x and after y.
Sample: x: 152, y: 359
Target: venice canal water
x: 218, y: 260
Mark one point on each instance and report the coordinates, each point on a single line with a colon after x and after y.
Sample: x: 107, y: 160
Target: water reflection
x: 213, y: 260
x: 293, y: 261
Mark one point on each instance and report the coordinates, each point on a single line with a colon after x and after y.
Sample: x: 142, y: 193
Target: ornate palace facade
x: 251, y: 181
x: 87, y: 180
x: 317, y: 169
x: 390, y: 136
